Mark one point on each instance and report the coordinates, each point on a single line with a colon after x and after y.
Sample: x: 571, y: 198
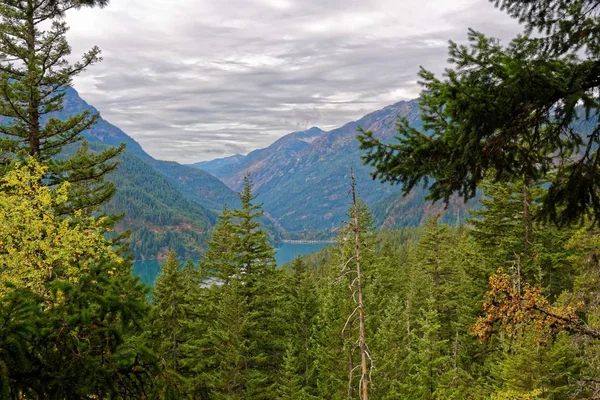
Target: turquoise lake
x: 285, y: 252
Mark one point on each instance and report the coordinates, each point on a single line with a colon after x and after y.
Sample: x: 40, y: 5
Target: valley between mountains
x: 302, y: 179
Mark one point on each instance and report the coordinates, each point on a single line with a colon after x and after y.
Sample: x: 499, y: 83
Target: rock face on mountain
x: 304, y: 177
x: 262, y: 164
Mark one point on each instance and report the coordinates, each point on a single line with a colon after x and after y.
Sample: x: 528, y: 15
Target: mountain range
x: 302, y: 179
x: 166, y: 205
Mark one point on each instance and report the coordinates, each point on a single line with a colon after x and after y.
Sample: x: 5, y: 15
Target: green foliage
x: 515, y: 110
x: 228, y: 319
x: 71, y: 313
x: 72, y: 317
x: 35, y: 74
x: 167, y: 316
x: 299, y: 310
x: 74, y: 323
x: 509, y: 238
x: 567, y: 25
x: 158, y: 216
x: 427, y: 353
x: 38, y: 246
x: 291, y: 334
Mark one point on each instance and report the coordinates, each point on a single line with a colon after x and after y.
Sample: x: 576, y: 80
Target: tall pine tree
x: 242, y: 343
x: 34, y: 77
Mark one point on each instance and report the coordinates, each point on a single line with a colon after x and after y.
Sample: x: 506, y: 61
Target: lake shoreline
x: 148, y: 270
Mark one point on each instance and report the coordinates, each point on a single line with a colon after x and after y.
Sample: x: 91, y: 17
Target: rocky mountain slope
x: 303, y: 178
x: 262, y: 164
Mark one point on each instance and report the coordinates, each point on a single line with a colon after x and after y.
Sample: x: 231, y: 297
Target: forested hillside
x: 158, y: 216
x: 505, y: 306
x: 450, y: 312
x: 166, y: 205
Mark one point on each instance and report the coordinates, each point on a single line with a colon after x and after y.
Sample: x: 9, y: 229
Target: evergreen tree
x: 517, y: 110
x: 72, y: 293
x: 334, y: 355
x: 254, y: 254
x: 299, y: 314
x: 432, y: 263
x: 427, y: 354
x: 567, y: 25
x: 242, y: 346
x: 390, y: 344
x: 19, y: 316
x: 234, y: 348
x: 291, y: 385
x: 219, y: 261
x: 167, y: 316
x: 509, y: 238
x: 34, y: 76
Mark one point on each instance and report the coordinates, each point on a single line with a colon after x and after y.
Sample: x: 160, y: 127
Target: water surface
x: 284, y: 253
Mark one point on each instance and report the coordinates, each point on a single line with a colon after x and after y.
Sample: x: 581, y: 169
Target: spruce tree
x: 522, y: 110
x: 299, y: 310
x: 258, y: 280
x: 427, y: 354
x: 509, y: 237
x: 241, y: 346
x: 234, y: 349
x: 219, y: 262
x: 290, y: 385
x: 254, y: 254
x: 390, y: 344
x: 167, y: 316
x: 34, y: 77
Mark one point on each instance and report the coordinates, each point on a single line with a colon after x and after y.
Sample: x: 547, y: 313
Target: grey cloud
x: 239, y: 78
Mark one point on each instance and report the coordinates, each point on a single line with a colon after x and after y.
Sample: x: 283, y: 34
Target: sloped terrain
x: 304, y: 177
x: 167, y: 205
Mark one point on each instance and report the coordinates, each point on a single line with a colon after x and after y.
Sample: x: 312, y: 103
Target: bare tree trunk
x: 364, y: 376
x: 350, y: 372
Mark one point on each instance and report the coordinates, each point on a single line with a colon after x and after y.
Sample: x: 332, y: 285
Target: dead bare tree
x: 356, y: 290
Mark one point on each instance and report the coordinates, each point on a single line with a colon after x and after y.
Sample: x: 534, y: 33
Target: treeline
x: 504, y: 307
x: 238, y: 328
x: 158, y: 216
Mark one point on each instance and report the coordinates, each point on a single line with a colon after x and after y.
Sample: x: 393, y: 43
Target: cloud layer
x: 193, y: 80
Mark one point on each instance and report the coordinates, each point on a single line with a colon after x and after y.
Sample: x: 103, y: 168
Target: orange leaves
x: 509, y: 309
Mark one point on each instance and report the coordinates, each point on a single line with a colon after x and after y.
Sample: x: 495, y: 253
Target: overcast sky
x: 193, y: 80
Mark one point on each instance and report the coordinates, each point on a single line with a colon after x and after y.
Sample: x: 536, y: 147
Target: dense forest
x: 504, y: 306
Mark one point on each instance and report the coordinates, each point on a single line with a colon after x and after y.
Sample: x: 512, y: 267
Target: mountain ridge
x: 304, y: 188
x: 166, y: 205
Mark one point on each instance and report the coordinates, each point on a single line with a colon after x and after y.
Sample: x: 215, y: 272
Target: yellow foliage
x: 514, y: 395
x: 38, y: 246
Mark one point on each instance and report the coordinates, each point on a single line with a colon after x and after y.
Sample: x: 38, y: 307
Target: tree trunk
x: 364, y: 376
x: 34, y: 103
